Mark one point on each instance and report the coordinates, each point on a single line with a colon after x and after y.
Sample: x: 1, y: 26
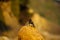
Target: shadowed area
x: 4, y: 27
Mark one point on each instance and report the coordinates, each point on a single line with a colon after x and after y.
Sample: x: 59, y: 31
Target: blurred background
x: 45, y: 15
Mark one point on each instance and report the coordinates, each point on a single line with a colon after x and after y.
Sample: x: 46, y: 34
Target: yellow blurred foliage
x: 29, y: 33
